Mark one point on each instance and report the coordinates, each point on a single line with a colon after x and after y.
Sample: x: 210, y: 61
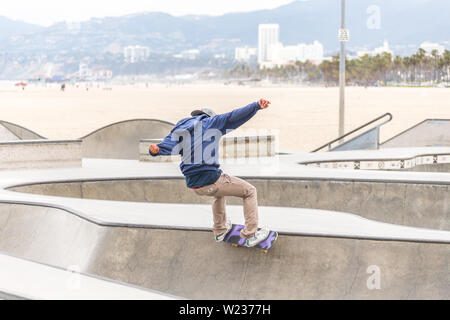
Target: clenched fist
x: 154, y: 149
x: 263, y: 103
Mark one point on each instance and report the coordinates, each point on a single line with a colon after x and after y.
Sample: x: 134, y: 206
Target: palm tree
x: 446, y: 65
x: 421, y: 58
x: 435, y: 55
x: 397, y: 68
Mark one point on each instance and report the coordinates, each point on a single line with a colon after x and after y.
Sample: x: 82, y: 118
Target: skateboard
x: 233, y: 237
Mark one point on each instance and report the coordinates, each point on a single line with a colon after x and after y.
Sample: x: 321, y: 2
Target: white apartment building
x: 84, y: 71
x: 190, y: 54
x: 102, y: 74
x: 378, y: 50
x: 430, y: 46
x: 279, y: 54
x: 267, y: 35
x: 312, y: 51
x: 272, y: 52
x: 245, y: 54
x: 134, y: 54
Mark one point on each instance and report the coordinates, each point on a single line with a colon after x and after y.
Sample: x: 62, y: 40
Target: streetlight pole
x: 343, y: 37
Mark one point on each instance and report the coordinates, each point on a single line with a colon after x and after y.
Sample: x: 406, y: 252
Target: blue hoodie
x: 199, y: 162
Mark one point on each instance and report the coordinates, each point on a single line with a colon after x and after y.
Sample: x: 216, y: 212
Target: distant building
x: 279, y: 54
x: 219, y: 56
x: 245, y: 54
x: 268, y: 35
x: 84, y: 71
x: 103, y: 74
x: 133, y: 54
x: 380, y: 50
x: 190, y: 54
x: 272, y: 52
x: 430, y: 46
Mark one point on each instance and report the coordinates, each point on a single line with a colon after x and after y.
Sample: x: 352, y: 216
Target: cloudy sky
x: 47, y: 12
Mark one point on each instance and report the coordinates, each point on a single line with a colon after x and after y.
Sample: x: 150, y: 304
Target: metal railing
x: 328, y: 144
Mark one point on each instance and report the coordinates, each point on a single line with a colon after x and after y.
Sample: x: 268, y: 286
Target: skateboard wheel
x: 234, y: 245
x: 264, y: 251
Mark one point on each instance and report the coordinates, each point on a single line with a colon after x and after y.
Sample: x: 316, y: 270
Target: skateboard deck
x: 234, y: 237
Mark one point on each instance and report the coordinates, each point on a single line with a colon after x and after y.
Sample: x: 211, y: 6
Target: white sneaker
x: 259, y: 236
x: 222, y: 236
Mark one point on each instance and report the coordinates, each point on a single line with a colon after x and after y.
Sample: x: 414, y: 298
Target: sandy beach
x: 304, y: 117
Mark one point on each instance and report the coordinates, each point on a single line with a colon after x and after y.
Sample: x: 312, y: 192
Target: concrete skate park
x: 98, y: 218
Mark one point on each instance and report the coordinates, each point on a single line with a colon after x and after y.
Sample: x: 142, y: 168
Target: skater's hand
x: 263, y: 103
x: 154, y: 149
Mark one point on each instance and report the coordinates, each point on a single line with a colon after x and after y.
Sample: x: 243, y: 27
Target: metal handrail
x: 357, y: 129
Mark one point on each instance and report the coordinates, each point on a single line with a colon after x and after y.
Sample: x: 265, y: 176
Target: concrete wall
x: 192, y: 265
x: 121, y: 140
x: 439, y: 167
x: 425, y: 162
x: 31, y: 154
x: 419, y: 205
x: 230, y: 147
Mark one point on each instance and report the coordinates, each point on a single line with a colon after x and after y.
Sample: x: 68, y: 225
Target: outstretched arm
x: 236, y: 118
x: 164, y: 148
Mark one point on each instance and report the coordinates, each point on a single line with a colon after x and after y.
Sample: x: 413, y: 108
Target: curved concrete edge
x: 125, y: 121
x: 287, y: 221
x: 120, y: 140
x: 415, y: 205
x: 92, y: 132
x: 343, y: 178
x: 11, y: 126
x: 26, y: 279
x: 40, y: 142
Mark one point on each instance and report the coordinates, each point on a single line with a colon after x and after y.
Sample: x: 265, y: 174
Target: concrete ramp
x: 120, y: 140
x: 6, y: 134
x: 428, y: 133
x: 11, y: 132
x: 25, y: 279
x: 190, y: 264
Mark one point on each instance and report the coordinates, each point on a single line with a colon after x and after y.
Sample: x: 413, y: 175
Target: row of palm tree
x: 381, y: 69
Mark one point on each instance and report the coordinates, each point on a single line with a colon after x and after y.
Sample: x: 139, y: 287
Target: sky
x: 47, y: 12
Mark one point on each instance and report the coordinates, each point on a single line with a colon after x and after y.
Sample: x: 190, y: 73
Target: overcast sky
x: 47, y: 12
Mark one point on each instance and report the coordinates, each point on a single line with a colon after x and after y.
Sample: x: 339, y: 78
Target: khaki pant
x: 231, y: 186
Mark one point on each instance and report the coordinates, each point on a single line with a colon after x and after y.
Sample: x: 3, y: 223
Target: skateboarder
x: 196, y: 139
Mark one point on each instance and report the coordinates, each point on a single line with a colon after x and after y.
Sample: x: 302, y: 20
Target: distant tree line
x: 381, y: 69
